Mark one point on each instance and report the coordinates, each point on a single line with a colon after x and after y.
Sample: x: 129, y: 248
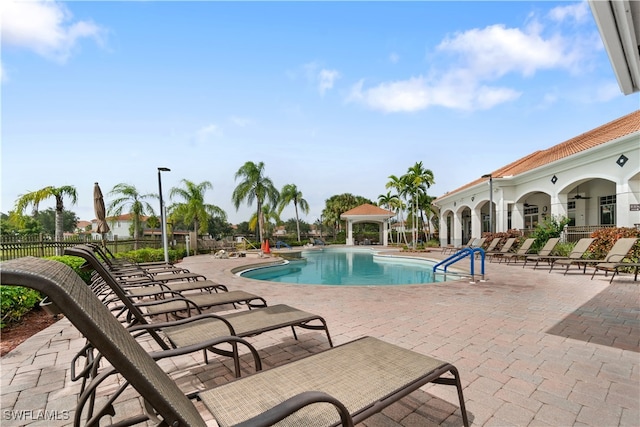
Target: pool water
x: 347, y: 267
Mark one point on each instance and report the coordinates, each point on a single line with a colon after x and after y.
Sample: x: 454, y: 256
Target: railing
x: 461, y: 254
x: 576, y: 232
x: 42, y: 245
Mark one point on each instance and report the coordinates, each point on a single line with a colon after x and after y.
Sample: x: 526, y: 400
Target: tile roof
x: 618, y: 128
x: 368, y: 209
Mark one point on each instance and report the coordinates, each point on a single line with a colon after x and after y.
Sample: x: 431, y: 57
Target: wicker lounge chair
x: 343, y: 385
x: 521, y: 253
x: 492, y: 245
x: 545, y: 251
x: 616, y: 254
x: 452, y: 249
x: 615, y: 263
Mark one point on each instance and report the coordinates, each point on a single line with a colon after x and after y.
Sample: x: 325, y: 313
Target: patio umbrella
x: 100, y: 211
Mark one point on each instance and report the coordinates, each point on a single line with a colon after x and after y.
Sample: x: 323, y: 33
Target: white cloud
x: 322, y: 78
x: 207, y: 133
x: 326, y: 78
x: 45, y: 28
x: 240, y: 121
x: 479, y: 58
x: 579, y: 12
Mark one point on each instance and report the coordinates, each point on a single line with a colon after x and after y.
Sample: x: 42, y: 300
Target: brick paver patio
x: 533, y: 348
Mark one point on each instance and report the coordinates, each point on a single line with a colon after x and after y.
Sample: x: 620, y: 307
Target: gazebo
x: 368, y: 213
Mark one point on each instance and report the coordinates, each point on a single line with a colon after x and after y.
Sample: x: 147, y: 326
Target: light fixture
x: 622, y: 160
x: 554, y: 179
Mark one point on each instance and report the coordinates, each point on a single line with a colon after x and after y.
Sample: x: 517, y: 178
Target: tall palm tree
x: 271, y: 219
x: 389, y: 201
x: 194, y: 209
x: 34, y: 199
x: 291, y: 194
x: 128, y: 197
x: 255, y: 186
x: 397, y: 183
x: 416, y: 181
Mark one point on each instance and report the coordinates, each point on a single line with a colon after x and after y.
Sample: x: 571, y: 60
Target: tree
x: 390, y: 202
x: 337, y: 205
x: 271, y: 219
x: 414, y: 183
x: 48, y: 220
x: 291, y: 194
x: 219, y: 227
x: 397, y: 184
x: 129, y: 198
x: 194, y: 210
x: 254, y: 187
x: 34, y: 199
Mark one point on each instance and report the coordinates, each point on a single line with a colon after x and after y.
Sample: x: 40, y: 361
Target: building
x: 119, y: 226
x: 593, y: 179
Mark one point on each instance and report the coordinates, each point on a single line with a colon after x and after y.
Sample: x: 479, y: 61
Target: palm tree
x: 194, y: 209
x: 397, y: 183
x: 271, y: 219
x: 35, y: 197
x: 128, y: 197
x: 389, y: 201
x: 289, y: 194
x: 254, y: 187
x: 416, y: 181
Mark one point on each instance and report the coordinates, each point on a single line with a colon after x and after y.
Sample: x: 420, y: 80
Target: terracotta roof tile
x: 368, y: 209
x: 608, y: 132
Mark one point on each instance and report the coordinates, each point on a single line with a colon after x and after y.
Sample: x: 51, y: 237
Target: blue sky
x: 332, y: 96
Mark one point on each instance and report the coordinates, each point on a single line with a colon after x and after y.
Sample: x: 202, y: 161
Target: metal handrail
x: 461, y: 254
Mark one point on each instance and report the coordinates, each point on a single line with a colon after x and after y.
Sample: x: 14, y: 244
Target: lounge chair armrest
x: 295, y: 403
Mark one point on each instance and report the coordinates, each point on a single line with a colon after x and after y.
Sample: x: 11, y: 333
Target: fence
x: 42, y: 245
x: 577, y: 232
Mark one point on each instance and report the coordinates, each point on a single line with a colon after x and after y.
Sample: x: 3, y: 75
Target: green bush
x: 15, y: 302
x: 550, y: 227
x: 151, y: 255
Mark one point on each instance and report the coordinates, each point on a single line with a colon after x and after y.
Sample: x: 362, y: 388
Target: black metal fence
x: 43, y: 245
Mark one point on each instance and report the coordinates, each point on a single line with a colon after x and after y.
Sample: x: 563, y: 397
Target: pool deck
x: 533, y: 348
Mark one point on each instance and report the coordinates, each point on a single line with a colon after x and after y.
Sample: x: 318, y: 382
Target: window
x: 608, y: 210
x: 571, y: 212
x: 530, y: 217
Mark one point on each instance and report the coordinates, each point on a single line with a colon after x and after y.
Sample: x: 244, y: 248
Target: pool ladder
x: 461, y: 254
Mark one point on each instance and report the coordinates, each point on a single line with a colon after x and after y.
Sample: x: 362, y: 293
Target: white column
x: 349, y: 232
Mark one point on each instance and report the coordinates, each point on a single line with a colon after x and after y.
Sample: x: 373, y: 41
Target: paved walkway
x: 533, y: 348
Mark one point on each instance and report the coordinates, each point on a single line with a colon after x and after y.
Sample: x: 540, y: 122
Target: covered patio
x: 371, y: 214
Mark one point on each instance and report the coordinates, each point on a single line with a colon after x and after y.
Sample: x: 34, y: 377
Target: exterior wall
x: 594, y: 173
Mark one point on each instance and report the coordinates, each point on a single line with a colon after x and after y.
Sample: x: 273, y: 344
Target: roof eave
x: 619, y: 25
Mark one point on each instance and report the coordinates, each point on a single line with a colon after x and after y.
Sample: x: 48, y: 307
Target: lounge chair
x: 194, y: 329
x: 614, y: 262
x: 521, y: 253
x: 343, y: 385
x: 492, y: 245
x: 617, y: 267
x: 616, y: 254
x: 543, y: 252
x: 577, y: 252
x: 451, y: 249
x: 503, y: 250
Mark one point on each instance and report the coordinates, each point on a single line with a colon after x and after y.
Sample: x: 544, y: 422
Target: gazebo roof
x: 367, y: 212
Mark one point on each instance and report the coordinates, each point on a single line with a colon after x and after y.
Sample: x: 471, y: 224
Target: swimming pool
x: 347, y: 266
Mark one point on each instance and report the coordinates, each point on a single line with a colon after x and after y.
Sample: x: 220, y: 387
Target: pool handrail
x: 461, y: 254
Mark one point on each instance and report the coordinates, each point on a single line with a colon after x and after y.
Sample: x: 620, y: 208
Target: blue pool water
x: 347, y: 267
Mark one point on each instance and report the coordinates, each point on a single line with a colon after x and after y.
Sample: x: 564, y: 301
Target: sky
x: 333, y: 97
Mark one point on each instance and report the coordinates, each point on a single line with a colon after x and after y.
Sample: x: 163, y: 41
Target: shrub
x: 76, y: 263
x: 606, y: 237
x: 151, y: 255
x: 15, y: 302
x: 550, y: 227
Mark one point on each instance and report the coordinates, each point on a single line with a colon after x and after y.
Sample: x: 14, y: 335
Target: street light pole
x: 163, y: 219
x: 490, y: 201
